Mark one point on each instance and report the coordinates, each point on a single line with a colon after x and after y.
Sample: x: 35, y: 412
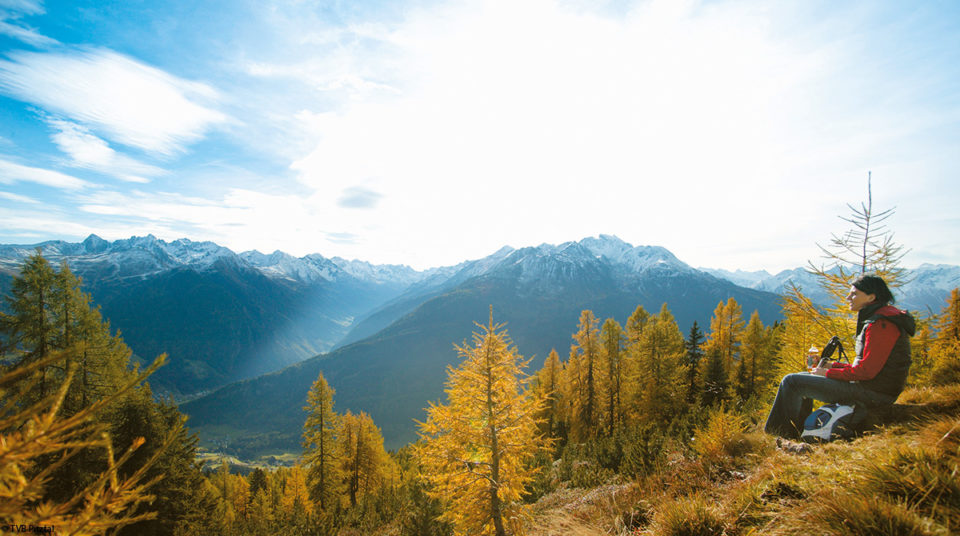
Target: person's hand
x: 820, y: 371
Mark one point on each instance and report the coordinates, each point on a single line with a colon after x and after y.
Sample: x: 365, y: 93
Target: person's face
x: 858, y: 299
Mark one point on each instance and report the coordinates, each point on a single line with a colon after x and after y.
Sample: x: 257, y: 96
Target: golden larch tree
x: 612, y: 338
x: 320, y: 446
x: 662, y: 369
x: 364, y: 463
x: 754, y: 373
x: 476, y: 448
x: 585, y: 361
x: 548, y: 387
x: 296, y: 497
x: 726, y: 331
x: 945, y: 350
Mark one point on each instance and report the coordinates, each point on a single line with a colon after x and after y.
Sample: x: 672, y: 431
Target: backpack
x: 832, y: 421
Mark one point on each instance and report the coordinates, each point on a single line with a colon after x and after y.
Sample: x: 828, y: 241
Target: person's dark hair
x: 872, y: 284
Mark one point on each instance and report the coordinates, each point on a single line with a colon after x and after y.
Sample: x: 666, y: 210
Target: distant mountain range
x: 220, y: 316
x: 926, y: 290
x: 253, y: 330
x: 396, y: 359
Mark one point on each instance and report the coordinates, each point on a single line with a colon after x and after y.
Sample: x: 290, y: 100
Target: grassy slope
x: 903, y: 478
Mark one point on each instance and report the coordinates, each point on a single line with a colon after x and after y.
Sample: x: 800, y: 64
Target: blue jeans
x: 795, y: 397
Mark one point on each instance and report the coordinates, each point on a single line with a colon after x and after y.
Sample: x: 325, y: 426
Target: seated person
x: 877, y: 374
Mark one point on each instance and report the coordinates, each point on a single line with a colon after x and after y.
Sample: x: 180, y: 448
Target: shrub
x: 688, y: 516
x: 860, y: 515
x: 724, y: 436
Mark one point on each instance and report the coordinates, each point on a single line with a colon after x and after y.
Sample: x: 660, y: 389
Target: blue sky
x: 733, y: 133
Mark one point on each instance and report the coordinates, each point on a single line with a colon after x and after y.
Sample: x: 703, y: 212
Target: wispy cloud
x: 10, y: 13
x: 128, y: 101
x: 88, y: 151
x: 344, y: 238
x: 11, y: 173
x: 17, y: 198
x: 359, y: 197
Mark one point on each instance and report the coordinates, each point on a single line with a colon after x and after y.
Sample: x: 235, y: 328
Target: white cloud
x: 88, y: 151
x: 11, y: 11
x: 27, y: 35
x: 706, y: 127
x: 129, y: 102
x: 11, y: 173
x: 529, y: 122
x: 17, y: 198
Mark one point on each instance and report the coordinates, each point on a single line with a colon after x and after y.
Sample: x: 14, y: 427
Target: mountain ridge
x: 225, y: 317
x: 394, y: 371
x: 219, y: 315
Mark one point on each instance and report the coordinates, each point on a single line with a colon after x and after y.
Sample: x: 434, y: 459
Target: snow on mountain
x: 635, y: 258
x: 309, y: 269
x: 926, y: 289
x: 136, y: 256
x: 447, y: 276
x: 379, y: 273
x: 941, y: 276
x: 198, y: 254
x: 740, y: 277
x: 547, y: 267
x: 613, y: 250
x: 141, y: 256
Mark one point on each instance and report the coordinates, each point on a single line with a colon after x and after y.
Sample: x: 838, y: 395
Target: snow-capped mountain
x: 220, y: 316
x: 394, y: 360
x: 926, y: 289
x: 309, y: 269
x: 929, y: 286
x: 224, y: 316
x: 380, y: 273
x: 634, y: 258
x: 133, y: 257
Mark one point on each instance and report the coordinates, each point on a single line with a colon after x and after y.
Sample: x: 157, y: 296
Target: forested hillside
x: 219, y: 316
x: 538, y: 292
x: 85, y: 447
x: 641, y: 429
x: 623, y: 437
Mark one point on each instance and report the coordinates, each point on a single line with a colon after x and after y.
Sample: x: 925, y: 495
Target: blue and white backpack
x: 832, y: 421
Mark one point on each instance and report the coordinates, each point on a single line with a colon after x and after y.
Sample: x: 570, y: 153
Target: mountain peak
x: 95, y: 244
x: 637, y: 258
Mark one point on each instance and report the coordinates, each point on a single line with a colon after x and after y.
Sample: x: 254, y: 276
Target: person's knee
x: 789, y: 381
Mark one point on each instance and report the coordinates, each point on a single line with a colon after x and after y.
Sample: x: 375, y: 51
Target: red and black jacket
x: 883, y: 350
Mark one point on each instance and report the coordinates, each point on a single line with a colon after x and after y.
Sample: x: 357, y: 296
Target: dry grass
x: 608, y: 509
x: 899, y: 479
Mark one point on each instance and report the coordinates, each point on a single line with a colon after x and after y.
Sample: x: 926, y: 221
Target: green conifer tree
x: 694, y: 346
x: 715, y: 383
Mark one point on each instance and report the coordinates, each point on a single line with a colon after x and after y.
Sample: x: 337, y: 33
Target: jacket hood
x: 901, y: 318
